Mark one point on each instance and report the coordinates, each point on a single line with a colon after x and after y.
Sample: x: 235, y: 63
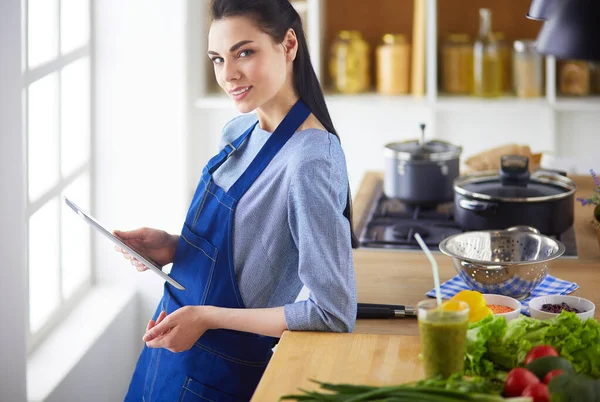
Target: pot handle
x: 477, y: 206
x: 523, y: 228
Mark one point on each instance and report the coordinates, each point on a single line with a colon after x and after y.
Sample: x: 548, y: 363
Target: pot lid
x: 433, y: 150
x: 540, y: 186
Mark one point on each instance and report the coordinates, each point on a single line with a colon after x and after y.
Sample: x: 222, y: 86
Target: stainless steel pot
x: 421, y: 172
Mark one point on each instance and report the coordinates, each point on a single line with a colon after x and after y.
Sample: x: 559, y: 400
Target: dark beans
x: 557, y: 308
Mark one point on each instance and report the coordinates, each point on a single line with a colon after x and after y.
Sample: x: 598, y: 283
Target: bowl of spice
x: 503, y: 306
x: 547, y: 307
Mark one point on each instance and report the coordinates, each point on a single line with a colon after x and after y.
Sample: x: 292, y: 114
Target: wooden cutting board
x: 339, y: 358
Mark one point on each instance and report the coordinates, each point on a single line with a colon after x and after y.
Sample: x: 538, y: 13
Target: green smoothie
x: 443, y: 341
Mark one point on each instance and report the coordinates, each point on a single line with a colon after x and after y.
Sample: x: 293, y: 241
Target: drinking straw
x: 434, y: 268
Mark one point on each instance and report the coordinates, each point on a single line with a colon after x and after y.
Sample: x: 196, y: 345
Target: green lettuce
x: 477, y: 361
x: 494, y: 344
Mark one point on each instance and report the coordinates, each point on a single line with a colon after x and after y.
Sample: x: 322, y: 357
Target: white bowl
x: 535, y: 306
x: 504, y: 301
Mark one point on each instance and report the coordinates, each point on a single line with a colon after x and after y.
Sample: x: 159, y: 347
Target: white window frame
x: 29, y: 76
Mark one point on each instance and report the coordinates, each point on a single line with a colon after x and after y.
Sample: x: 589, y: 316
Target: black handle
x: 378, y: 311
x: 514, y: 170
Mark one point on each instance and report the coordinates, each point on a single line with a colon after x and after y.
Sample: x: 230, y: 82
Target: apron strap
x: 216, y: 161
x: 294, y: 119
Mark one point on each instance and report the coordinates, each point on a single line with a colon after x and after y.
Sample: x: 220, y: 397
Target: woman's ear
x: 290, y: 44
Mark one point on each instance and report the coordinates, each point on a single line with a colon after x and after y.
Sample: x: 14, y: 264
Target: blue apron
x: 223, y: 365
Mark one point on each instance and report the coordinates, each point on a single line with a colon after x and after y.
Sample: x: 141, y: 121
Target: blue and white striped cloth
x: 549, y: 286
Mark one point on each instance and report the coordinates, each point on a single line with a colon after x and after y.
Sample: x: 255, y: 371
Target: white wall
x: 141, y: 123
x: 12, y: 209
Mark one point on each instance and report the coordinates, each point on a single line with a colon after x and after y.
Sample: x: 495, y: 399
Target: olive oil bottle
x: 487, y: 60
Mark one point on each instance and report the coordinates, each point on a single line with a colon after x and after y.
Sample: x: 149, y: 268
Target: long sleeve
x: 316, y: 200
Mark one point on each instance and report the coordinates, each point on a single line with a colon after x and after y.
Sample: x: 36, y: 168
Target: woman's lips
x: 240, y: 93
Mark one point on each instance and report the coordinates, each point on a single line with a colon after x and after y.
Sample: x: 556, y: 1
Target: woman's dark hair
x: 275, y: 18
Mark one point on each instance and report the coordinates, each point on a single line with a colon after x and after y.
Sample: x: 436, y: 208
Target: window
x: 57, y: 123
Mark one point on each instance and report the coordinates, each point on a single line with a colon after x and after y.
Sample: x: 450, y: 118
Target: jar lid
x: 524, y: 45
x: 412, y: 150
x: 391, y: 39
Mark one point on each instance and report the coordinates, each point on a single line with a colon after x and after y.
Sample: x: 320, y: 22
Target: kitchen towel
x: 549, y: 286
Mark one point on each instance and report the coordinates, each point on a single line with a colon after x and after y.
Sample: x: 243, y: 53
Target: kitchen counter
x: 382, y: 352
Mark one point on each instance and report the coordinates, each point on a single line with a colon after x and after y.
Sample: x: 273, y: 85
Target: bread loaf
x: 490, y: 159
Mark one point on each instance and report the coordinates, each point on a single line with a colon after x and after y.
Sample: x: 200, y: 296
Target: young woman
x: 272, y: 212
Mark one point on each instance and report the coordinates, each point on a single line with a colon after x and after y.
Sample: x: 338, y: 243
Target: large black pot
x: 421, y: 173
x: 489, y: 201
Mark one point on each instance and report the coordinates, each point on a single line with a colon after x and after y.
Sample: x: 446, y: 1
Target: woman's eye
x: 217, y: 60
x: 245, y: 53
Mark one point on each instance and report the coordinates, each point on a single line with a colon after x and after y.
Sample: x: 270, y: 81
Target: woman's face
x: 249, y: 66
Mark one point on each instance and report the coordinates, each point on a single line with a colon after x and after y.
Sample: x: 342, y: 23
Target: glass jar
x: 595, y: 71
x: 393, y: 65
x: 574, y: 78
x: 505, y: 60
x: 528, y: 70
x: 349, y: 63
x: 487, y: 65
x: 457, y: 64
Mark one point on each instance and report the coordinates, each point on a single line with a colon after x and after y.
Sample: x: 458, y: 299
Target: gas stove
x: 392, y: 224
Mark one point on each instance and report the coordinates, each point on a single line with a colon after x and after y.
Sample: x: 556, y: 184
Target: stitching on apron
x: 231, y: 358
x: 207, y: 287
x: 201, y: 204
x: 189, y: 390
x: 155, y: 372
x: 193, y: 245
x: 219, y: 201
x: 225, y: 195
x: 229, y: 257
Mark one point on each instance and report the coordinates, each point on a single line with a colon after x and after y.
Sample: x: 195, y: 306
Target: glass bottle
x: 505, y: 61
x: 487, y: 63
x: 457, y: 64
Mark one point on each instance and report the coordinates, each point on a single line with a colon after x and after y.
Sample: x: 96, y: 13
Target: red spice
x: 498, y: 309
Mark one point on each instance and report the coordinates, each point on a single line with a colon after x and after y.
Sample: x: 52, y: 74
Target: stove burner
x: 392, y: 224
x: 407, y: 232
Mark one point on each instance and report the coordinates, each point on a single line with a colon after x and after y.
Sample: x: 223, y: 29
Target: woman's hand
x: 178, y: 331
x: 155, y: 244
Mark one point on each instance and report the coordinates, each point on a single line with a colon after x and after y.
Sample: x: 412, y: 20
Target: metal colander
x: 509, y: 262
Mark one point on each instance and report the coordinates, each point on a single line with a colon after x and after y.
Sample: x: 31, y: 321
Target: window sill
x: 56, y: 357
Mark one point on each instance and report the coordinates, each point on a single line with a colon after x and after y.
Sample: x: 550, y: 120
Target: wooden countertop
x: 341, y: 358
x: 382, y: 352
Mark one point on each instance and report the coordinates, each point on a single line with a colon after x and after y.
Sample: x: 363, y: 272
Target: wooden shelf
x: 373, y: 18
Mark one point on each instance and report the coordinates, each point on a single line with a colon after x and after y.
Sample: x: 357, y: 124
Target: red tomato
x: 551, y: 374
x: 539, y: 351
x: 517, y: 380
x: 539, y: 392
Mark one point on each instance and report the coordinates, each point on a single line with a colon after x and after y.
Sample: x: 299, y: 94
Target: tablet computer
x: 145, y: 260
